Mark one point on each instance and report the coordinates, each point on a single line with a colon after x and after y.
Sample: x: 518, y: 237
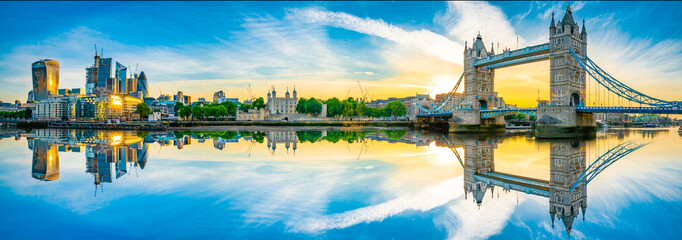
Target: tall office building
x: 132, y: 84
x: 91, y: 76
x: 45, y: 79
x: 142, y: 85
x: 122, y: 78
x: 104, y: 73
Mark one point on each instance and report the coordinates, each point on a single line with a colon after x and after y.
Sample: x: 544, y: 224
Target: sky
x: 394, y: 49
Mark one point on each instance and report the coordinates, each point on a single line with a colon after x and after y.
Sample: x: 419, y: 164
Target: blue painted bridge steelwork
x: 540, y: 187
x: 533, y: 111
x: 520, y: 56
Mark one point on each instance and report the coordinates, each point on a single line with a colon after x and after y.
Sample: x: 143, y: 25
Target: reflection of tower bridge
x: 573, y: 99
x: 569, y: 174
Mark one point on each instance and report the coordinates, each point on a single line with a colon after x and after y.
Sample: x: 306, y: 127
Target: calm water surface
x: 288, y: 184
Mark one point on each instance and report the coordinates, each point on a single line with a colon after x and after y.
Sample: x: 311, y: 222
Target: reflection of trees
x: 308, y: 136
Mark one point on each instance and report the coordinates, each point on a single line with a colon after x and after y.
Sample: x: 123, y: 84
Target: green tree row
x: 352, y: 108
x: 24, y: 114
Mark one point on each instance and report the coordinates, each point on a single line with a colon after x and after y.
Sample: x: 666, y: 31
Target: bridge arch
x: 575, y: 100
x: 482, y: 104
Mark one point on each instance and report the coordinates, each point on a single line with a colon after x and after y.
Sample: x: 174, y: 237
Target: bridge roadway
x: 650, y: 110
x: 514, y: 182
x: 509, y: 58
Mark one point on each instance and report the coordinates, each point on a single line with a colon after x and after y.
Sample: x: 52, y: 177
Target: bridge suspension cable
x: 616, y: 87
x: 605, y: 160
x: 448, y: 98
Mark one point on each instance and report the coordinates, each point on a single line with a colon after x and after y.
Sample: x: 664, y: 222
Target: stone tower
x: 567, y: 83
x: 478, y: 158
x: 478, y: 81
x: 567, y: 78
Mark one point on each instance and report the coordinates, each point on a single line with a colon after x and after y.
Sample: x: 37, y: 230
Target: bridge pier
x: 469, y: 121
x: 564, y: 122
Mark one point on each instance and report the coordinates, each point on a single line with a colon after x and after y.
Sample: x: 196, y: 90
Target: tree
x: 221, y: 111
x: 198, y: 111
x: 532, y: 117
x: 360, y: 109
x: 177, y: 107
x: 520, y: 116
x: 396, y: 108
x: 301, y: 105
x: 313, y: 106
x: 230, y: 107
x: 143, y: 110
x: 245, y: 107
x: 334, y: 107
x: 185, y: 111
x: 258, y: 103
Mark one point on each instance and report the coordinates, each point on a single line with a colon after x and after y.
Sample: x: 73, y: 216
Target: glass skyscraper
x: 104, y: 72
x: 121, y: 78
x: 142, y: 85
x: 45, y: 79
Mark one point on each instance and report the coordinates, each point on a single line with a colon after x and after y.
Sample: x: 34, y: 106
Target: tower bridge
x: 568, y: 113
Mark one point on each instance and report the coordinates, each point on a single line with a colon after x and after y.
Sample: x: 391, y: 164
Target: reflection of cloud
x: 431, y: 197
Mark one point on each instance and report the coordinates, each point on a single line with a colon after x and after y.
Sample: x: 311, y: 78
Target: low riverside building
x: 252, y: 115
x: 84, y: 108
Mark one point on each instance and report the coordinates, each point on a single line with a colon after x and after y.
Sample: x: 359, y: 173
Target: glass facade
x: 142, y: 85
x: 45, y: 79
x: 104, y: 72
x: 121, y: 78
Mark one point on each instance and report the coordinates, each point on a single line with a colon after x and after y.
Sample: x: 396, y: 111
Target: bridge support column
x: 469, y: 121
x: 564, y: 122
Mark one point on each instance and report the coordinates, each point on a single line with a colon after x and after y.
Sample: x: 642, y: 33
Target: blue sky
x: 393, y: 48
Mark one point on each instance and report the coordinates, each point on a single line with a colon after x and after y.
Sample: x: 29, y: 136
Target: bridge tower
x: 567, y: 162
x: 567, y: 82
x: 479, y: 86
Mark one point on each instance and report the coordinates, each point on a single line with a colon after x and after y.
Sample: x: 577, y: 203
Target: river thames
x: 284, y: 183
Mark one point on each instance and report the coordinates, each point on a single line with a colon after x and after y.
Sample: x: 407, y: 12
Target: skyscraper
x: 91, y: 76
x: 45, y: 78
x: 104, y: 72
x: 142, y: 85
x: 121, y: 78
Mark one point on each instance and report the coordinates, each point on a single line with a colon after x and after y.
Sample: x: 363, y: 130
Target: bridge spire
x: 552, y: 26
x: 583, y: 31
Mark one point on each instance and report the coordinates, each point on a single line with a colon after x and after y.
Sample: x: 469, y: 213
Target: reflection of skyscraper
x: 45, y: 161
x: 45, y: 79
x: 567, y: 162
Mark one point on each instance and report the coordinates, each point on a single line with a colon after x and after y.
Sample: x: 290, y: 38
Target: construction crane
x: 365, y: 93
x: 248, y: 89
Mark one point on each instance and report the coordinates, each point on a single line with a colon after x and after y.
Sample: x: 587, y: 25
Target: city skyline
x: 393, y: 49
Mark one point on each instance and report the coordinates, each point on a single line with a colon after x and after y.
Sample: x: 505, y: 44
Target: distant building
x: 282, y: 105
x: 251, y: 115
x: 218, y: 95
x: 30, y: 97
x: 45, y: 79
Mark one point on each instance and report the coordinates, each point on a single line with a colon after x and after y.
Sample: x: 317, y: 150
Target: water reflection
x: 109, y: 155
x: 571, y: 166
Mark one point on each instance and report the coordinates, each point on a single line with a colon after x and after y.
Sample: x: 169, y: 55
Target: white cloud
x: 423, y: 40
x: 464, y: 20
